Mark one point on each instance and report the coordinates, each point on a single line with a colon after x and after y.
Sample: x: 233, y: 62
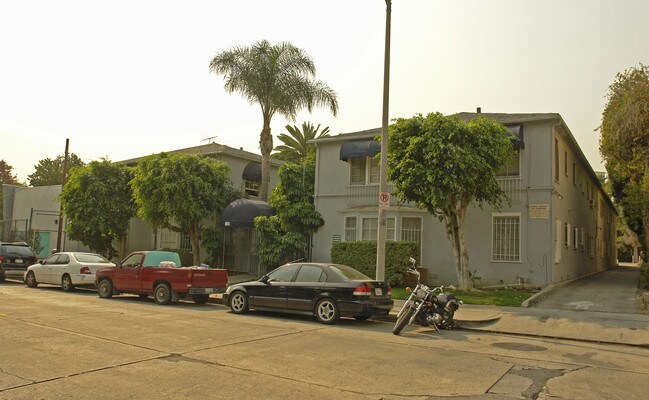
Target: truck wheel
x: 162, y: 294
x: 105, y: 289
x: 200, y: 298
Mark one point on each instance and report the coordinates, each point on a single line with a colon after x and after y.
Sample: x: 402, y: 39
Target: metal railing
x: 511, y: 185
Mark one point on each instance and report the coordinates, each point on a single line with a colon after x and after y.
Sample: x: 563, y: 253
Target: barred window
x: 411, y: 229
x: 506, y: 238
x: 350, y: 229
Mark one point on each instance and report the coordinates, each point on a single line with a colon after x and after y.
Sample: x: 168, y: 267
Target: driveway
x: 612, y: 291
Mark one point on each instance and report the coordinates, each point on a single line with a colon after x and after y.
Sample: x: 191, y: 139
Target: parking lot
x: 76, y: 346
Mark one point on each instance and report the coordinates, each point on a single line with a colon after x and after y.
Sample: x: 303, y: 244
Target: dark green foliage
x: 285, y: 236
x: 98, y: 204
x: 181, y: 192
x: 644, y: 276
x: 361, y: 255
x: 50, y: 172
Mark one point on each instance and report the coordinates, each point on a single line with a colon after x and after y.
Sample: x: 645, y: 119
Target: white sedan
x: 68, y: 269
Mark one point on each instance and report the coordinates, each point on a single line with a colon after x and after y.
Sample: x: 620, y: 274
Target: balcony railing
x: 366, y: 195
x: 511, y: 185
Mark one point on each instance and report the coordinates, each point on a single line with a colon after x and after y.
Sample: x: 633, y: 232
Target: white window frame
x: 388, y: 238
x: 518, y: 256
x: 347, y: 229
x: 368, y: 169
x: 504, y: 173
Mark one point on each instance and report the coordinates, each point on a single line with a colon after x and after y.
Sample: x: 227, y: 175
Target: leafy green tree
x: 285, y: 235
x: 444, y: 164
x: 624, y: 145
x: 50, y: 172
x: 181, y: 192
x: 98, y: 204
x: 280, y: 78
x: 6, y: 176
x: 296, y: 145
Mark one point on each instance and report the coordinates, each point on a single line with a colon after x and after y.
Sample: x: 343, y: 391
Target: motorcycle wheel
x: 403, y: 320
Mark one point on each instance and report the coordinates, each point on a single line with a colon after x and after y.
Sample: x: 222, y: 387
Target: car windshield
x: 14, y: 250
x: 348, y: 273
x: 91, y: 258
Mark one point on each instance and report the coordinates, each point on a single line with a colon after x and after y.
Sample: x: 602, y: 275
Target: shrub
x: 362, y: 256
x: 644, y: 276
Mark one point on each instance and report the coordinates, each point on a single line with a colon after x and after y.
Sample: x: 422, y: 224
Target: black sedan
x: 328, y: 291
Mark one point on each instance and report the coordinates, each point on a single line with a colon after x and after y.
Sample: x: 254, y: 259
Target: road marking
x: 582, y: 305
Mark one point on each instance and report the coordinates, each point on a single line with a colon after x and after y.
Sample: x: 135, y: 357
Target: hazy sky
x: 124, y: 79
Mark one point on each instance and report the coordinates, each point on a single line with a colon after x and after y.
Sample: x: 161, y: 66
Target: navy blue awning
x: 360, y: 148
x: 252, y: 172
x: 516, y: 132
x: 242, y: 213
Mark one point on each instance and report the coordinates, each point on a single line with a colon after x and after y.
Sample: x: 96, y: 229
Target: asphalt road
x: 57, y: 345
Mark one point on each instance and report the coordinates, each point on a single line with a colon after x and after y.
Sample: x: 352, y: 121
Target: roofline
x: 367, y: 133
x: 219, y: 149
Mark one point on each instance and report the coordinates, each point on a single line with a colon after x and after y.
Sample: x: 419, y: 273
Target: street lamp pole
x: 384, y: 198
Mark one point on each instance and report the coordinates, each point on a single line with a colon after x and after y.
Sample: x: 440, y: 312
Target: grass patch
x: 495, y: 297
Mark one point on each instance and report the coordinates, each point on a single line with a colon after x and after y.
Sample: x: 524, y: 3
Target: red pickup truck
x: 159, y: 273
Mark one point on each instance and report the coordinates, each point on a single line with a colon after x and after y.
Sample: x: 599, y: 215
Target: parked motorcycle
x: 427, y: 307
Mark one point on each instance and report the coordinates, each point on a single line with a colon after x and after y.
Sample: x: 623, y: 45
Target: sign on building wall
x: 539, y: 211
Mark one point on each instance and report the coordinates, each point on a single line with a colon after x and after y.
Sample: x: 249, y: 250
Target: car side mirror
x: 264, y: 279
x: 41, y: 262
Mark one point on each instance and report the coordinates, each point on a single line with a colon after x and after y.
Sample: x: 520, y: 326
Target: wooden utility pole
x: 64, y: 179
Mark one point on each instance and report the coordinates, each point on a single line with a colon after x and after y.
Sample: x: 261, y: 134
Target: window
x: 574, y: 174
x: 133, y: 261
x: 513, y: 168
x: 565, y: 163
x: 370, y: 229
x: 575, y: 238
x: 566, y: 235
x: 364, y: 171
x: 310, y: 273
x: 251, y: 188
x: 63, y: 259
x: 283, y: 274
x: 556, y: 159
x: 411, y: 229
x: 350, y: 229
x: 185, y: 242
x: 506, y: 238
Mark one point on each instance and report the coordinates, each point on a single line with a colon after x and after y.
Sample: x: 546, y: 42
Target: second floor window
x: 513, y: 168
x: 364, y: 171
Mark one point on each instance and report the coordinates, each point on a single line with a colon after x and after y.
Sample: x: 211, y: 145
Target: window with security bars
x: 506, y: 238
x: 411, y: 229
x: 168, y: 239
x: 350, y: 229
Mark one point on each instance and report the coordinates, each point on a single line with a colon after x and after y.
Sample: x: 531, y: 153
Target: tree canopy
x: 50, y: 172
x: 104, y: 186
x: 181, y: 192
x: 285, y: 236
x: 624, y: 145
x: 296, y: 145
x: 6, y: 176
x: 444, y: 164
x: 281, y: 79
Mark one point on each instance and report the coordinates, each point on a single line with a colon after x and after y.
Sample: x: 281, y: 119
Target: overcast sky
x: 124, y: 79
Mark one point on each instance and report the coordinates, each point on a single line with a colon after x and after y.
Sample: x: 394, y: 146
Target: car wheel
x: 239, y: 302
x: 162, y: 294
x: 327, y: 312
x: 30, y: 280
x: 361, y: 317
x: 66, y: 283
x: 105, y: 289
x: 200, y: 298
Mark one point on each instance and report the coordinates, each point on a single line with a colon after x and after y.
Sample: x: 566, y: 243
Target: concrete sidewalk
x: 601, y: 327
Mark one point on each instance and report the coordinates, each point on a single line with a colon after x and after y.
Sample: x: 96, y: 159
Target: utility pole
x: 384, y: 196
x: 64, y: 179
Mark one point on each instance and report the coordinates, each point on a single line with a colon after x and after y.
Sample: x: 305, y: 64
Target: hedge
x: 361, y: 255
x: 644, y: 276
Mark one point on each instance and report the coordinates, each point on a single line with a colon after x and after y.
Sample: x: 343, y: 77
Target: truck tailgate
x: 209, y: 278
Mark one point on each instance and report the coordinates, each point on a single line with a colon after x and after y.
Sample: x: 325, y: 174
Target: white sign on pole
x: 384, y: 200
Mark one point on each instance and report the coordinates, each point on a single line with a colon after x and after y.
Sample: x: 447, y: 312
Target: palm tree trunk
x: 266, y: 146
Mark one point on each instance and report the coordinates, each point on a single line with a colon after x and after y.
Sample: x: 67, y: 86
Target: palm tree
x: 296, y: 145
x: 281, y: 78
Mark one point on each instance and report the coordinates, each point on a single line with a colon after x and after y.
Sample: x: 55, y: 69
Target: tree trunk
x: 266, y: 146
x: 122, y: 247
x: 455, y: 232
x: 193, y: 239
